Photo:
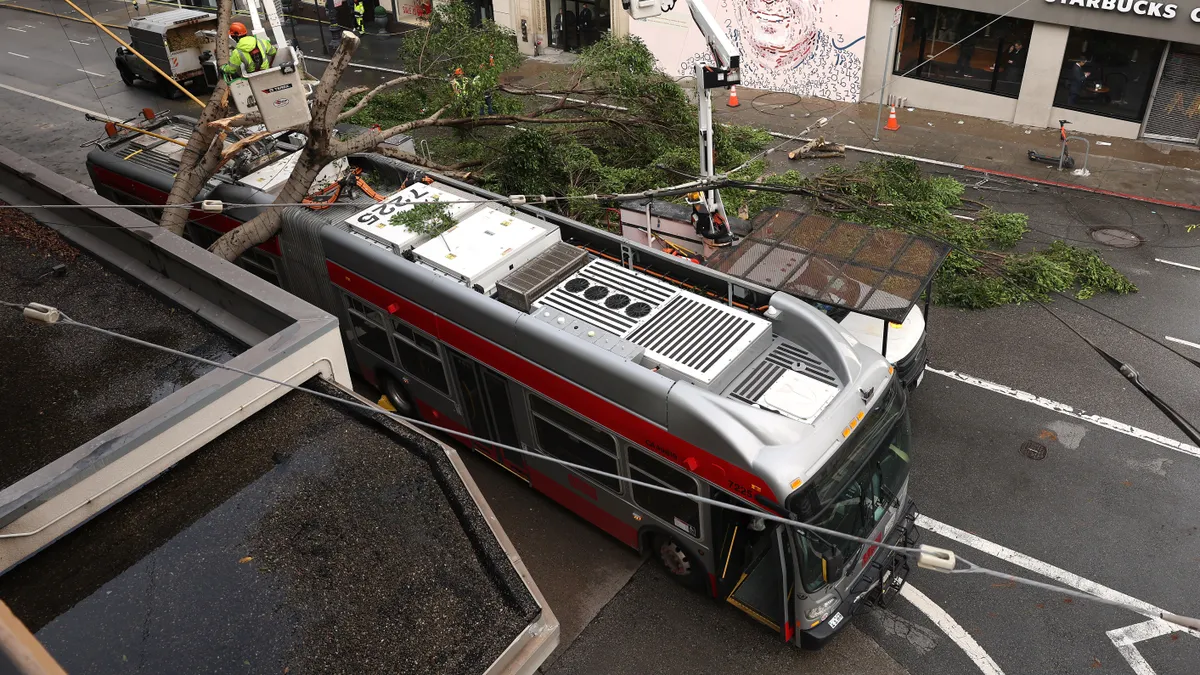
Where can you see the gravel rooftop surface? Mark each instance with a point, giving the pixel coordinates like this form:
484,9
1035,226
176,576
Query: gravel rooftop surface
63,386
307,539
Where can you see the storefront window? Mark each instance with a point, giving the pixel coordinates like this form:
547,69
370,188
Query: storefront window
1108,74
575,24
963,49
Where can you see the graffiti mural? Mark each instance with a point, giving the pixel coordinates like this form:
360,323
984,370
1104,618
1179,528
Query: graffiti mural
805,47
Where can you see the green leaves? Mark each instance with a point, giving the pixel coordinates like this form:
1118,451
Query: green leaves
980,272
427,218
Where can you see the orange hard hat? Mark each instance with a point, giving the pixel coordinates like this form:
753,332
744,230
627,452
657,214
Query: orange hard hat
237,29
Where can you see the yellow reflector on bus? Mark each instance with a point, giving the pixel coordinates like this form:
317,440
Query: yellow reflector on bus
860,414
853,423
845,432
796,483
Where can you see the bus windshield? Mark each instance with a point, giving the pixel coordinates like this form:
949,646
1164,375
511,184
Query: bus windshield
857,487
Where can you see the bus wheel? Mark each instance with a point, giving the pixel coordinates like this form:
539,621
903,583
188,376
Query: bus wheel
680,563
399,397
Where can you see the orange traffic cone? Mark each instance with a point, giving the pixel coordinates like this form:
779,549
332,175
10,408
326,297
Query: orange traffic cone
733,102
892,124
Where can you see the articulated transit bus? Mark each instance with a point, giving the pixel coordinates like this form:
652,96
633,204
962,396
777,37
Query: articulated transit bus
538,332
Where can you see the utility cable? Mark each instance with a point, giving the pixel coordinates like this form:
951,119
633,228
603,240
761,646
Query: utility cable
86,74
937,559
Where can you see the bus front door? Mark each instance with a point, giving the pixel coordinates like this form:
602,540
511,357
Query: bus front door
488,411
764,589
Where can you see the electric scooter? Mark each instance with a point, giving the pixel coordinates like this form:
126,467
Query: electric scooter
1068,162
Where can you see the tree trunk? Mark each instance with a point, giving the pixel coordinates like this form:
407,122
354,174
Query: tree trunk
192,174
265,225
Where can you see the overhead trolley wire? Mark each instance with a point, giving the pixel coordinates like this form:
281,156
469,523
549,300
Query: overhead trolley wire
941,560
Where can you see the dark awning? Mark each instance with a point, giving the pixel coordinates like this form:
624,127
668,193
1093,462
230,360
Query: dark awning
880,273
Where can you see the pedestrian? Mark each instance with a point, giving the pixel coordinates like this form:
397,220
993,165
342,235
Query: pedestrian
1076,78
360,14
1014,61
966,47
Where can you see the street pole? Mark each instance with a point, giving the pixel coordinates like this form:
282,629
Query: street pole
320,27
887,66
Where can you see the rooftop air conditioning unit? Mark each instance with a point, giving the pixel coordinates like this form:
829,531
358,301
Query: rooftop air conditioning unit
533,279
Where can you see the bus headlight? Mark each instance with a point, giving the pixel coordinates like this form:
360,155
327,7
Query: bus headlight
822,610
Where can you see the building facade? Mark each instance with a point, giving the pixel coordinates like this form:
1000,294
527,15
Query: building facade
1124,68
804,47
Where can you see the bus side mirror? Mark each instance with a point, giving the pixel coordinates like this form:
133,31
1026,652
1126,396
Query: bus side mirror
833,564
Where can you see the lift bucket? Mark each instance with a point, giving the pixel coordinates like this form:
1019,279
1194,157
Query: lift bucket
277,93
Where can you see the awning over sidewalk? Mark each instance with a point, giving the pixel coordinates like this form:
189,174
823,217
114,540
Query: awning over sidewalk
880,273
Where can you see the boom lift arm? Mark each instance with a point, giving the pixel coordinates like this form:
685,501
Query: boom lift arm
708,210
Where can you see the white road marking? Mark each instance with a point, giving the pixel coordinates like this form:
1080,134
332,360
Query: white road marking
952,629
1123,639
59,103
1183,342
1033,564
19,30
1168,262
88,72
20,55
1064,409
85,44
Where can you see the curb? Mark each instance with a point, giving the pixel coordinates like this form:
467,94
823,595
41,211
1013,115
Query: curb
1008,174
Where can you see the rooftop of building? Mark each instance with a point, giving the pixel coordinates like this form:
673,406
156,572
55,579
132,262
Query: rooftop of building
309,537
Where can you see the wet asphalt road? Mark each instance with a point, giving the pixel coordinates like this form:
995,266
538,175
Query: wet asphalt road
1107,506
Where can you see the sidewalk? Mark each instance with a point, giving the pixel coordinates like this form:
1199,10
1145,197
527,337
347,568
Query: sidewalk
1148,170
1160,171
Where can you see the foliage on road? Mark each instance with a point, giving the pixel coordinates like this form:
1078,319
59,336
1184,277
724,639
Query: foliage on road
990,265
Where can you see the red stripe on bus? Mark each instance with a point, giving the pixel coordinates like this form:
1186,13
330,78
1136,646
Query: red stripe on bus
588,510
431,414
585,403
789,631
152,195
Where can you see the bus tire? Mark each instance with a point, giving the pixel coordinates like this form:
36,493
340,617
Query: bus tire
678,561
399,397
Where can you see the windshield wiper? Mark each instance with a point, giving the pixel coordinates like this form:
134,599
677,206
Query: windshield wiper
887,492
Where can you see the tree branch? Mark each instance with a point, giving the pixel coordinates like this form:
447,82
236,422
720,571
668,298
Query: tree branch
452,170
369,139
362,103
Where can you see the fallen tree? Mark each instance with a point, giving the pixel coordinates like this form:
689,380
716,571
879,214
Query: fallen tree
453,71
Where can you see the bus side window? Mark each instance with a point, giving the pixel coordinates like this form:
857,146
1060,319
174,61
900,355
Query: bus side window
563,435
680,512
366,328
419,356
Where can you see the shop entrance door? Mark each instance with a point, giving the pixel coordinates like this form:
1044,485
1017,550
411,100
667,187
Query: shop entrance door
575,24
1175,112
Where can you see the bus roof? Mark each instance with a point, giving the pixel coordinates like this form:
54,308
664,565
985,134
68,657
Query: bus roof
769,389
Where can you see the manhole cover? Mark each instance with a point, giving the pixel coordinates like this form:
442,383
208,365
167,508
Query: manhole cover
1116,237
1033,450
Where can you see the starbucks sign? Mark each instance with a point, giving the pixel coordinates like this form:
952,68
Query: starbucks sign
1155,10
